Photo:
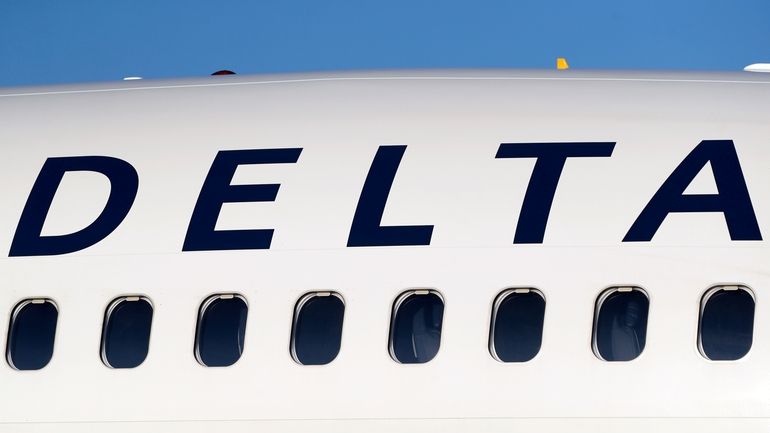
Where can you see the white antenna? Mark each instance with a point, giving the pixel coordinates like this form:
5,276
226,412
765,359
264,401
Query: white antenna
131,78
758,67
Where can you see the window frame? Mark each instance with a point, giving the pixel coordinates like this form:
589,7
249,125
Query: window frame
202,311
298,309
108,313
14,314
403,296
502,296
603,295
711,291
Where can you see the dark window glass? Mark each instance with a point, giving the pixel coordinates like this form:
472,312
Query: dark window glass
31,334
415,333
620,327
517,325
317,328
126,332
726,323
221,329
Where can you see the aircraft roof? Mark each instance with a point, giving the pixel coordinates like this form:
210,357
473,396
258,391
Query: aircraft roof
738,77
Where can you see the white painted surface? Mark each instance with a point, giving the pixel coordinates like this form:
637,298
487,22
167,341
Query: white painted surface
453,124
758,67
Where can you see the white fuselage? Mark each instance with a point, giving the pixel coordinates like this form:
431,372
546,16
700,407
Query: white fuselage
452,124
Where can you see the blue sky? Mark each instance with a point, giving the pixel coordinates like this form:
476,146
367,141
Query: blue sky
77,40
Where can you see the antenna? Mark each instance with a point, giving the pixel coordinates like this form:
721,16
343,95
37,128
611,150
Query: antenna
758,67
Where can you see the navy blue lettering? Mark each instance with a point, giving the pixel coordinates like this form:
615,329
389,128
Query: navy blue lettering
216,190
538,199
732,198
366,230
124,183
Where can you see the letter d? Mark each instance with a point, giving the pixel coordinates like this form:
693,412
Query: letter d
124,183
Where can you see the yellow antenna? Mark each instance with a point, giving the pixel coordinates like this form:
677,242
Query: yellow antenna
561,63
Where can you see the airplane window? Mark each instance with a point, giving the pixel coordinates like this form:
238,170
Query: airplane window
126,332
31,334
317,329
726,323
517,325
221,328
620,323
415,331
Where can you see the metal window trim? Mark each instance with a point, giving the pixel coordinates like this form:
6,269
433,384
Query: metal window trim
598,308
202,311
14,314
711,291
502,296
403,296
298,308
108,314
